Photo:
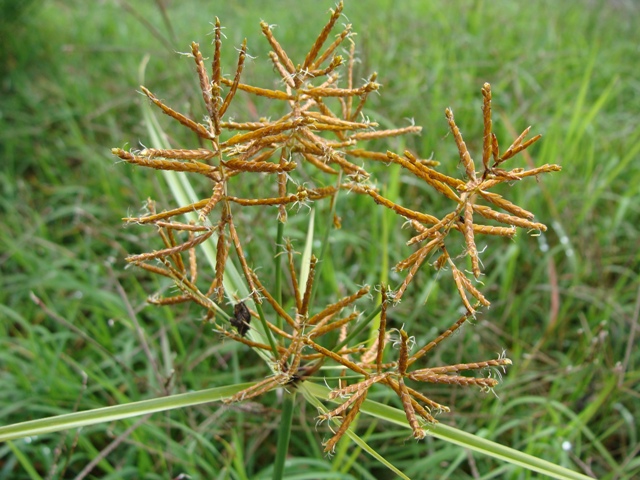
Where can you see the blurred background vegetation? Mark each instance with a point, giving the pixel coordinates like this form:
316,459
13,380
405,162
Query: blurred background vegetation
564,303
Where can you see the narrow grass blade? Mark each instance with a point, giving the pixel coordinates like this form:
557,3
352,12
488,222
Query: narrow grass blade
117,412
458,437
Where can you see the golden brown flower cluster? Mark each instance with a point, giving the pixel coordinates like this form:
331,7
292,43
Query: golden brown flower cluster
321,130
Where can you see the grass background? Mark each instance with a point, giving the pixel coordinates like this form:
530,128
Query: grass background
563,303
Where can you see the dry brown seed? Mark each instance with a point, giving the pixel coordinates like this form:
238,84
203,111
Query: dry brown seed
205,86
340,92
474,291
357,387
454,380
385,133
363,98
339,305
236,80
508,219
309,286
153,269
513,148
319,164
486,137
277,49
331,48
270,129
168,214
218,193
161,164
320,330
330,445
433,231
160,301
334,356
500,362
462,147
360,153
418,432
424,251
179,153
215,67
222,253
322,37
501,202
447,333
169,251
400,210
404,353
421,171
420,253
333,120
190,124
460,285
248,274
255,390
491,230
536,171
427,401
469,238
276,306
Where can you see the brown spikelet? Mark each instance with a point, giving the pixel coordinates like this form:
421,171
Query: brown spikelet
277,49
508,219
332,48
486,136
169,251
218,192
330,445
161,164
205,86
409,411
339,305
222,252
462,147
190,124
382,328
234,86
309,287
180,154
460,285
446,334
472,251
261,92
322,37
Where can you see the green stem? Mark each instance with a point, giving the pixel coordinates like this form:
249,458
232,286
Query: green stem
267,331
278,262
325,240
284,435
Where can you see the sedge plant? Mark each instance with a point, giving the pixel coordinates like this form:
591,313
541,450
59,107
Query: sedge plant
317,152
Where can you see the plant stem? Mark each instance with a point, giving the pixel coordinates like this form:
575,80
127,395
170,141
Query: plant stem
283,435
278,269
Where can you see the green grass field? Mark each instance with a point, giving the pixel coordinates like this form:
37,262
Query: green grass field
76,332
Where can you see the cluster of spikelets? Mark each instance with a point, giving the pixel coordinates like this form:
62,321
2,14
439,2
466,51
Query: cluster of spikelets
321,130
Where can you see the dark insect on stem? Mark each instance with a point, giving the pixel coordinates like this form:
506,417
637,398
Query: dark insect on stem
241,318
